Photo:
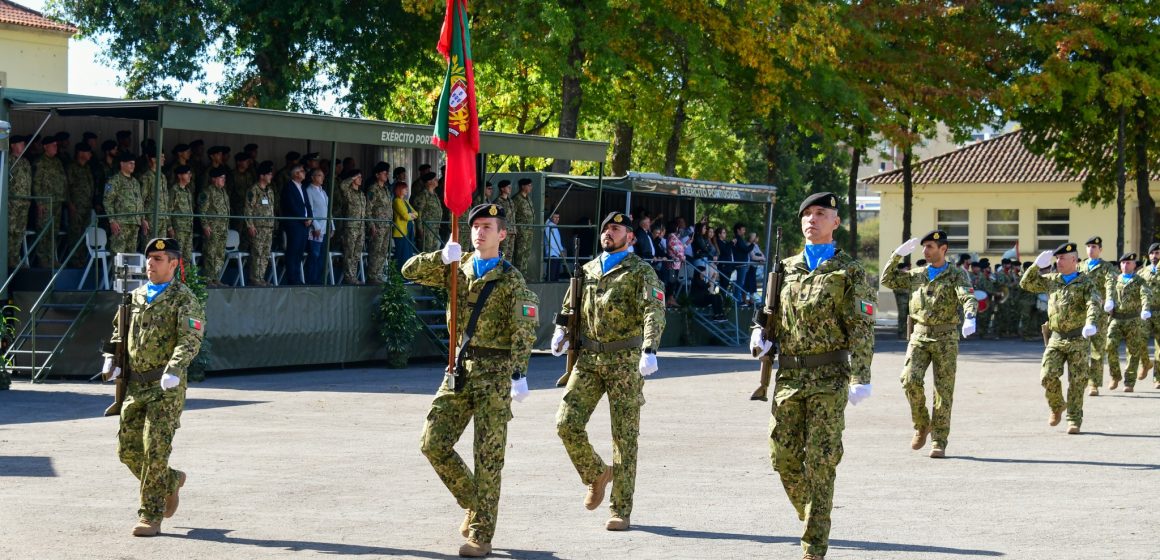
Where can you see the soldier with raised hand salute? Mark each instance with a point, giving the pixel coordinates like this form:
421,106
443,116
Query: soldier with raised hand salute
1072,314
1099,271
497,320
938,291
1151,275
824,351
622,316
1129,303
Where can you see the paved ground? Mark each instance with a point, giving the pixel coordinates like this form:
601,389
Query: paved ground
322,463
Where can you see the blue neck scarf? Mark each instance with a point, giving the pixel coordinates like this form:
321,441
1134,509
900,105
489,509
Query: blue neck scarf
608,261
153,290
1067,278
1128,277
931,271
1092,263
483,266
818,254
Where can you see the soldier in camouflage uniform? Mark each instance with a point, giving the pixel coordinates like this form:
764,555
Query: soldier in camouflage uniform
123,201
80,199
824,349
902,303
165,334
1129,301
1151,276
525,216
380,207
259,212
983,287
148,180
181,202
49,181
495,359
430,210
505,200
354,208
1099,271
477,198
938,292
1072,313
19,189
1006,317
622,316
214,201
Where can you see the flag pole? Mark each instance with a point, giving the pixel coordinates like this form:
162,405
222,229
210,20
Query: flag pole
452,300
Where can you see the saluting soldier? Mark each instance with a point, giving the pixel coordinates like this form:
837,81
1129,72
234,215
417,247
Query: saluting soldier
165,334
1129,301
1072,314
124,204
259,211
824,352
938,292
181,210
498,316
381,217
525,216
430,210
505,200
354,207
1100,271
622,316
51,182
19,191
1151,276
214,201
80,197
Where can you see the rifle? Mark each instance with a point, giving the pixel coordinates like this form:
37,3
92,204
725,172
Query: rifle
766,317
575,289
120,350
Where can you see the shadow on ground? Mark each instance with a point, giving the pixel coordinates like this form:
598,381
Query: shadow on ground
27,407
834,543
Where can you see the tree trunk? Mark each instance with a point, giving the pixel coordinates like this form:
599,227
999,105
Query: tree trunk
907,191
1147,204
622,149
674,146
852,191
570,98
1121,181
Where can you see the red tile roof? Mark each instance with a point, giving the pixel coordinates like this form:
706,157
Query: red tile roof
1002,159
15,14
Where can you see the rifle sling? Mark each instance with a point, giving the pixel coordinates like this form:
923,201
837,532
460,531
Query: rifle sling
476,309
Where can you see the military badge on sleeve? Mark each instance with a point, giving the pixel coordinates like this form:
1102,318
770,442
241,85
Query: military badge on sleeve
866,308
527,310
195,324
657,294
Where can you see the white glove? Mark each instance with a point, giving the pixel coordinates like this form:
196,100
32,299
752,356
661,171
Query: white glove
559,343
859,393
907,247
968,327
108,367
169,381
1043,260
1145,314
451,252
1109,306
1089,331
757,342
648,364
520,389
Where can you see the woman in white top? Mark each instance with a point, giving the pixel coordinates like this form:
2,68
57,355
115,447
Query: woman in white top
319,228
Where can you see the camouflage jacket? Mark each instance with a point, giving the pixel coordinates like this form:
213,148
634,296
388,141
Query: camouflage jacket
354,204
239,187
148,180
933,302
50,179
510,317
829,308
1069,306
1131,296
381,206
214,201
20,185
1099,275
628,301
509,207
430,211
524,215
259,204
123,196
181,202
166,333
80,189
1151,276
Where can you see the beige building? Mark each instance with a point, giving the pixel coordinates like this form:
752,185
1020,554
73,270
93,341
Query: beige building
34,49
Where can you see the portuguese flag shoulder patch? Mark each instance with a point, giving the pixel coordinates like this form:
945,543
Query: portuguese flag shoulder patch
195,324
867,308
658,294
529,310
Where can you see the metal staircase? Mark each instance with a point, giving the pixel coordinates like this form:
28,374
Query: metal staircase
434,318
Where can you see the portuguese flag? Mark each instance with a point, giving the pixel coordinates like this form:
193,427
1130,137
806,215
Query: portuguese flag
457,122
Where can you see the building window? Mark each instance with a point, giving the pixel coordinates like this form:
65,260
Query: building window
1002,230
1052,228
957,226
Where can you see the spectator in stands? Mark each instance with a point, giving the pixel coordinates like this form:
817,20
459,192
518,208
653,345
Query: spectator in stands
296,206
554,249
705,292
320,228
741,250
725,261
643,247
676,252
756,257
404,230
701,246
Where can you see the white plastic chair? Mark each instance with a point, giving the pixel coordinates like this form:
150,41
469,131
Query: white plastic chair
97,241
362,267
234,255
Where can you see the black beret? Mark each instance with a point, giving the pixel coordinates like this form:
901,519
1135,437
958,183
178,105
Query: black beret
123,134
976,264
217,150
293,156
87,135
428,176
348,173
1095,240
182,169
525,181
487,184
217,172
1064,249
1154,247
266,167
964,258
166,244
108,145
62,136
198,142
823,199
1005,261
83,147
242,156
486,211
399,170
250,147
149,145
381,167
126,156
505,183
309,157
618,218
985,262
425,167
46,140
18,139
180,148
938,236
1128,257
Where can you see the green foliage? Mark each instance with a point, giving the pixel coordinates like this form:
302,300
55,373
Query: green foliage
397,320
196,282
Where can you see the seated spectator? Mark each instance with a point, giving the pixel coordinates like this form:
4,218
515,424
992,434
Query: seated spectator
676,253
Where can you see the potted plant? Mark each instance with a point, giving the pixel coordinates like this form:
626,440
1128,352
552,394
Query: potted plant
398,322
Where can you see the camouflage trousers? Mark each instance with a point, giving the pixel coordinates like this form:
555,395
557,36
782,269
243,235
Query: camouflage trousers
805,444
260,252
1007,317
1099,347
507,247
353,235
1152,334
522,251
46,248
1030,322
430,240
985,319
902,303
625,387
1131,333
944,354
76,231
1074,353
149,418
379,250
486,398
126,242
184,236
213,249
17,225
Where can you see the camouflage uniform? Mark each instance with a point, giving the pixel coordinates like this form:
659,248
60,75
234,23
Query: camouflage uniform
19,189
123,197
80,195
988,285
1070,306
213,201
626,302
259,204
507,247
934,306
1099,273
381,206
148,180
181,202
1131,297
829,309
505,333
902,302
49,181
1151,276
1006,321
524,216
430,212
163,335
354,207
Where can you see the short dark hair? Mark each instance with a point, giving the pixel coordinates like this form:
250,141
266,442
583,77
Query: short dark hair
737,226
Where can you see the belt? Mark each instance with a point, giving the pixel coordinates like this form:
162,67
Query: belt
934,329
1125,316
150,376
478,352
1068,335
812,361
596,346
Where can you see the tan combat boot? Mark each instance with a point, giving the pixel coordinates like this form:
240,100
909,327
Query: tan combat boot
919,438
474,549
1158,384
465,527
596,489
809,556
617,523
1072,428
1056,416
1093,391
1115,383
1144,372
172,500
1129,389
146,528
937,451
